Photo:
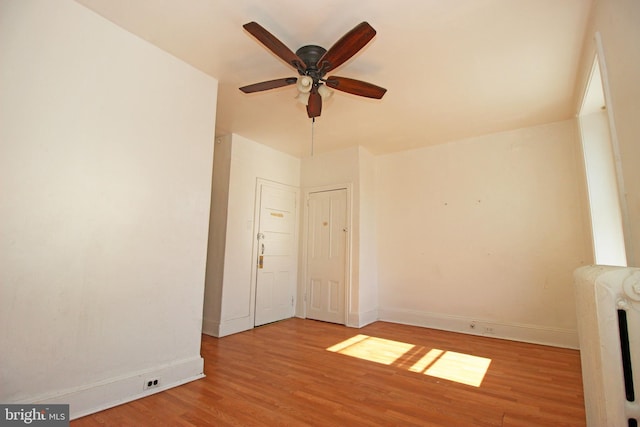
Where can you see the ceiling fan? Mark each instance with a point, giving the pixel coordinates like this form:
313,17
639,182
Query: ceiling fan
313,62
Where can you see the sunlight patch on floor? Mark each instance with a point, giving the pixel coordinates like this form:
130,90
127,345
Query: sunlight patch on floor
459,367
373,349
448,365
426,360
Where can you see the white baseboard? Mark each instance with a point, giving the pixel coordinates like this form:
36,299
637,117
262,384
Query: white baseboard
233,326
557,337
226,327
358,320
112,392
211,327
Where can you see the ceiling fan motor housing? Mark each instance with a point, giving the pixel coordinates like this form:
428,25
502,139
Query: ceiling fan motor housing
311,54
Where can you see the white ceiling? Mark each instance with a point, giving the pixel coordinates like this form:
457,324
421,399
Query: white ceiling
453,68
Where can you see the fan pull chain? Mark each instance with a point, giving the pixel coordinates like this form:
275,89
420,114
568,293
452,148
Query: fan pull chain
313,122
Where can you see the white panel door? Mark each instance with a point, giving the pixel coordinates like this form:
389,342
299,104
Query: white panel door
277,254
327,256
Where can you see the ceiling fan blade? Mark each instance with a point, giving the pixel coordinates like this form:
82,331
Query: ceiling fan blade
355,87
314,107
271,84
275,45
347,46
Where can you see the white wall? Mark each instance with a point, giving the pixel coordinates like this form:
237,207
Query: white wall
229,296
214,276
367,307
618,22
334,167
106,149
485,230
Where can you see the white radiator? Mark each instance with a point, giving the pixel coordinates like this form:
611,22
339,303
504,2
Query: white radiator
608,309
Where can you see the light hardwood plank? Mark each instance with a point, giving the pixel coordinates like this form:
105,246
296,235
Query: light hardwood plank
283,375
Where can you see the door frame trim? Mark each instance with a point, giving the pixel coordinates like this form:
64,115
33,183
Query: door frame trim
301,303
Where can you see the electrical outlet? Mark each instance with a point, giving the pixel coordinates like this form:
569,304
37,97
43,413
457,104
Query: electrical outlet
488,330
151,383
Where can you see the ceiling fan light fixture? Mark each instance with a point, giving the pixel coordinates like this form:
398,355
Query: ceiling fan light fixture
325,92
312,63
303,98
304,84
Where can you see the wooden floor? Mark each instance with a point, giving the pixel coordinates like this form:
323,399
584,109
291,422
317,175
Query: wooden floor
283,375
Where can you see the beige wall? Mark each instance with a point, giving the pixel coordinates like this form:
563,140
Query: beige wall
487,229
106,147
618,23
